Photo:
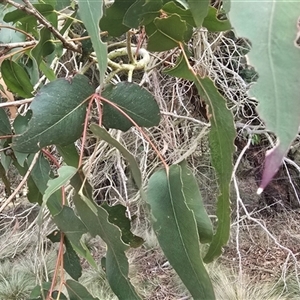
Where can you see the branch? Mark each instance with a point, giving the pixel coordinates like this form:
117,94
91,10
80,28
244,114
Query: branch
16,103
29,9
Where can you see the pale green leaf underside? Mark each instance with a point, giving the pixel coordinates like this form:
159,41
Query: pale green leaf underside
277,61
90,12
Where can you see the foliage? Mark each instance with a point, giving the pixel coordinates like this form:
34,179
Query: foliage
42,142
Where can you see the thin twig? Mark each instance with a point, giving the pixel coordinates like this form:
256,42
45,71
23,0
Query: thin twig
16,103
12,196
31,10
16,29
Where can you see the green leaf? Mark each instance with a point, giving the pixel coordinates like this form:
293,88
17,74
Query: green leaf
275,57
185,14
47,71
199,10
90,12
226,5
212,23
73,228
175,226
135,101
69,154
116,260
58,113
19,15
195,203
168,33
221,141
65,173
5,128
5,179
39,293
16,79
77,291
112,21
34,195
44,47
117,216
41,174
142,12
61,4
71,260
104,135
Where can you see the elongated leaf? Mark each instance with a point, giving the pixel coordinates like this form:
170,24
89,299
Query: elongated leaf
195,203
176,229
5,128
44,47
65,173
71,260
221,141
199,10
20,15
69,154
5,179
77,291
41,174
104,135
58,113
275,56
116,260
73,227
135,101
16,79
90,12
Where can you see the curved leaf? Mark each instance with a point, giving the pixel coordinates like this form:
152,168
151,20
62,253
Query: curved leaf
65,173
142,12
199,10
77,291
135,101
221,141
168,33
175,226
4,123
117,216
74,228
212,23
195,203
104,135
112,21
116,260
16,79
44,47
90,12
58,113
276,58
